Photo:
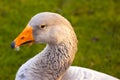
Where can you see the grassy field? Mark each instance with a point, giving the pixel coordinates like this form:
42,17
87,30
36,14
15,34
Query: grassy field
96,23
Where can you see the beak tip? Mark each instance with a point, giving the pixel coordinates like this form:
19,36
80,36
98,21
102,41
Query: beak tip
13,45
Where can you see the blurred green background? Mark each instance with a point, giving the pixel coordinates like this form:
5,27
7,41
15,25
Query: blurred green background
96,23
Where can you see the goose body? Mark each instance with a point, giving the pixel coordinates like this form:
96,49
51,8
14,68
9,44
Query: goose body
53,63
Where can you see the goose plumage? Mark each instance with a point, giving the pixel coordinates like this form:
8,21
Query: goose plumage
53,63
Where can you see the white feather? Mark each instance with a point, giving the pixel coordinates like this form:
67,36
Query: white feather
80,73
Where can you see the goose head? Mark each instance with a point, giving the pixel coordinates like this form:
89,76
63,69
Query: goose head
46,27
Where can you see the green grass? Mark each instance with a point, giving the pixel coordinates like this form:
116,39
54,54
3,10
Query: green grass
96,23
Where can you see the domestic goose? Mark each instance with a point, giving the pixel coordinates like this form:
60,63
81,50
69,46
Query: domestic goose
53,63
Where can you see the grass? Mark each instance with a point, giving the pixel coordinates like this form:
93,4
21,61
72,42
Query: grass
96,23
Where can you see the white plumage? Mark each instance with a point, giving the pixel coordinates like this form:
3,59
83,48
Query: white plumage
53,63
80,73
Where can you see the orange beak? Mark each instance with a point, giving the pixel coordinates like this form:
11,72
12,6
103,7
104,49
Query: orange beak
25,37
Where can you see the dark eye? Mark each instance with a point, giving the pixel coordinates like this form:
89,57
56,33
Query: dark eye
42,26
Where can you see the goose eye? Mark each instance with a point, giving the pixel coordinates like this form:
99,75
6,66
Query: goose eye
42,26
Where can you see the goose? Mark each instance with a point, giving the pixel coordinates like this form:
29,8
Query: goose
54,61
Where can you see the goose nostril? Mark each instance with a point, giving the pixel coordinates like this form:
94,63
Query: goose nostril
22,38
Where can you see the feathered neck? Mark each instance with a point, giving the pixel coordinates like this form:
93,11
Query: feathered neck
54,60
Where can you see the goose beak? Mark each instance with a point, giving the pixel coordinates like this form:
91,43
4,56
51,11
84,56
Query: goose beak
24,37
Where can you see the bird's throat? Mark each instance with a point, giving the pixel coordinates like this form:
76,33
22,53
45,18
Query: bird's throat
55,60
